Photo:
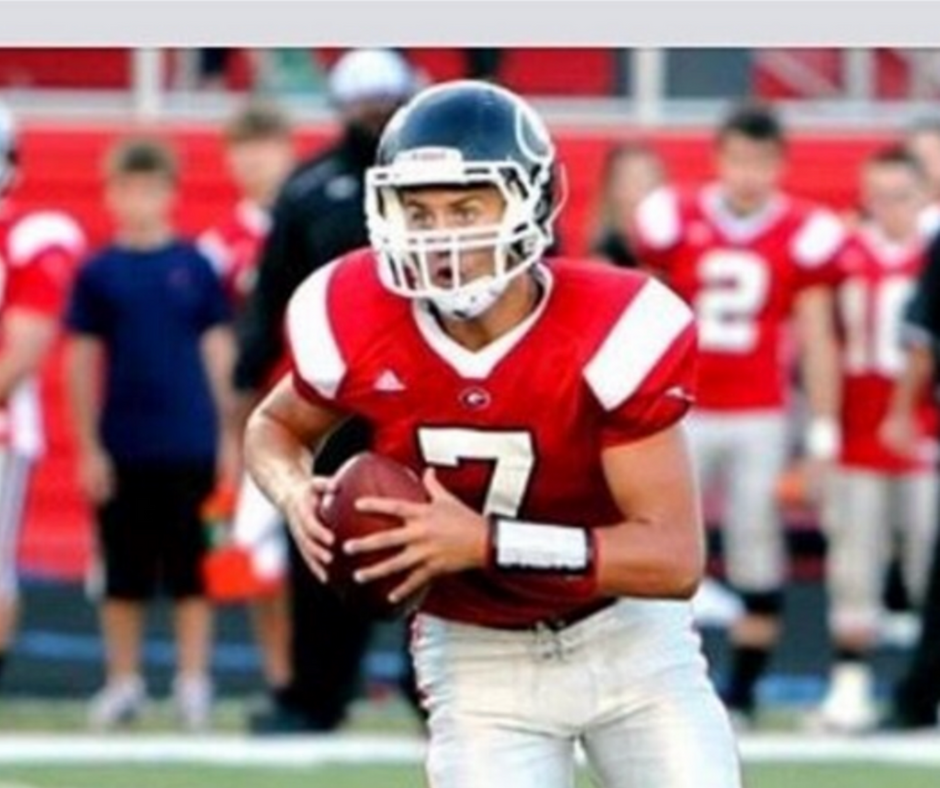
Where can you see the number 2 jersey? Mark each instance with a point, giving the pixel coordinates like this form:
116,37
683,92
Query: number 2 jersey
877,279
516,428
741,276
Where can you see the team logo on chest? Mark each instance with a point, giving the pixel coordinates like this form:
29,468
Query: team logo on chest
475,398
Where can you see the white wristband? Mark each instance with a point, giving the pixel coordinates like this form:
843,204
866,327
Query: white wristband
823,439
518,545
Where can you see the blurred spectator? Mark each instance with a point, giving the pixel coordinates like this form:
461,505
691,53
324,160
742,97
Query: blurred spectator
319,216
878,498
212,67
749,258
38,251
917,695
483,63
631,171
923,141
260,153
147,363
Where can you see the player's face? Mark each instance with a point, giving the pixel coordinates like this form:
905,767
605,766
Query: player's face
259,166
633,177
749,171
443,209
140,201
893,196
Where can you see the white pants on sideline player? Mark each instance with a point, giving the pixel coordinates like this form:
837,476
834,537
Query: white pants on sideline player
14,480
867,517
628,683
744,454
258,528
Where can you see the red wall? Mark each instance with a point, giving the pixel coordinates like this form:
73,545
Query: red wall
63,163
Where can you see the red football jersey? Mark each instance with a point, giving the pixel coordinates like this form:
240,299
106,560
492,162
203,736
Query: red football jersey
516,428
38,255
877,280
234,246
740,275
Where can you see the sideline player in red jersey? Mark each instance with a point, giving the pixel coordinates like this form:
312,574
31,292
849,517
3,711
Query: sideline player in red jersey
747,256
878,498
38,253
260,154
542,400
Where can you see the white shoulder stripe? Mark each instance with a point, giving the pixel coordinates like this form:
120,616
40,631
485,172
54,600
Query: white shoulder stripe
639,340
818,239
310,333
39,231
657,219
214,249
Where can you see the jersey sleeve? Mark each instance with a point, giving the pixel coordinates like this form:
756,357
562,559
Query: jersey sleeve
43,250
317,361
657,227
643,373
815,249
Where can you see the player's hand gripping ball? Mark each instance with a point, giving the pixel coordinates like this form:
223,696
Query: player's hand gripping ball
368,475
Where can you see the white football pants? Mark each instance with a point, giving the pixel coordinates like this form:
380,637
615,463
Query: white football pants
628,684
15,471
744,455
868,517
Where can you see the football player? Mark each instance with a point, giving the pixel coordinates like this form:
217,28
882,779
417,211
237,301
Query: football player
260,155
747,257
542,399
38,254
879,497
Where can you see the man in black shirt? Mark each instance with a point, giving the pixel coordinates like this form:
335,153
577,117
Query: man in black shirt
917,695
319,216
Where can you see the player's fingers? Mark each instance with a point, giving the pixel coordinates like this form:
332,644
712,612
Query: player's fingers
392,537
318,571
435,489
410,585
314,528
322,485
394,507
310,545
400,562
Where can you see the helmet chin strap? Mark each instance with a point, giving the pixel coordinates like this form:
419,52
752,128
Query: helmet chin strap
470,303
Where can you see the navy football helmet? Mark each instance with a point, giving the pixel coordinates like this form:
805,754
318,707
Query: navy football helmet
463,133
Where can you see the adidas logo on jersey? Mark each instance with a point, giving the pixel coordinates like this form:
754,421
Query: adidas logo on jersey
388,381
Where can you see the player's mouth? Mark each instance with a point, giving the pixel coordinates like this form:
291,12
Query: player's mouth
442,271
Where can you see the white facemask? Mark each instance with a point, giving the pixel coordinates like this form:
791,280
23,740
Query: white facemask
469,302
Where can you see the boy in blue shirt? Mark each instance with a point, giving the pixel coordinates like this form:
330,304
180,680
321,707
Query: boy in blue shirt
148,359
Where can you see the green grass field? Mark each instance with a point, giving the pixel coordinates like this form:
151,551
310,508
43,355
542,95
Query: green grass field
135,776
41,746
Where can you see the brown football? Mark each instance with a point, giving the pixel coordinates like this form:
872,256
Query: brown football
372,475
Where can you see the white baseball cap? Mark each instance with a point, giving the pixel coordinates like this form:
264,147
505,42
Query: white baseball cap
363,74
